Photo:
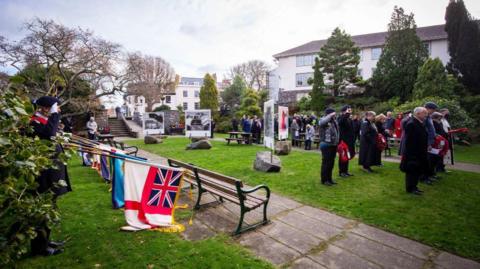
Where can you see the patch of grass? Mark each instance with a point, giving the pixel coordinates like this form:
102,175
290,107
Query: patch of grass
447,216
469,154
96,242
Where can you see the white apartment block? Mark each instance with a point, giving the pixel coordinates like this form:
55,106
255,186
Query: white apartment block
288,82
187,95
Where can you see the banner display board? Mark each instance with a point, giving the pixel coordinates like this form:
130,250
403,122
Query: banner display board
197,123
268,114
154,123
282,122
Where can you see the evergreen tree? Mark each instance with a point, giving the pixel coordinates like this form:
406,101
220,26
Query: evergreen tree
400,60
339,59
233,94
249,104
209,94
317,101
463,45
432,80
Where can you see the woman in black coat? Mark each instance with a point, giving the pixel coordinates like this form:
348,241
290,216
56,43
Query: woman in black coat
368,145
379,123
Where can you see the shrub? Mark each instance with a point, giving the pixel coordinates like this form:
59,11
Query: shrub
22,159
459,118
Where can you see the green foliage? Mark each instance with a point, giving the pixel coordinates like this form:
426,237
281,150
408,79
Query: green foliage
209,94
249,105
463,45
339,59
224,125
432,80
459,118
317,102
162,108
262,98
304,104
22,159
401,58
232,95
472,106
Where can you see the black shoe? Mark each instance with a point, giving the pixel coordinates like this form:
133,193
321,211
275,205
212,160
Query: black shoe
333,182
56,244
327,183
416,192
427,181
348,174
343,175
52,251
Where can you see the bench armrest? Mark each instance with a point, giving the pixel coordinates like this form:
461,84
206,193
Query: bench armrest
256,188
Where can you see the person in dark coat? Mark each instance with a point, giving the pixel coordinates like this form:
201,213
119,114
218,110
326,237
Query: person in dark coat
67,124
414,160
368,145
379,123
406,116
356,127
234,124
347,135
329,137
45,123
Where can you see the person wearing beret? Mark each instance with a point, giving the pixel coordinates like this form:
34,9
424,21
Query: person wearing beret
45,123
329,139
414,159
347,135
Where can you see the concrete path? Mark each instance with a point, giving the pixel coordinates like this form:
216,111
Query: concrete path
301,236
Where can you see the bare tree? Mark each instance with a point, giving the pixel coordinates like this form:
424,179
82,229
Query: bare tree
149,76
65,57
253,72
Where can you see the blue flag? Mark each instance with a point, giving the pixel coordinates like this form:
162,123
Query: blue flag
118,193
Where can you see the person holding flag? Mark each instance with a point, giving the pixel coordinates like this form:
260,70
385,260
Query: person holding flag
45,123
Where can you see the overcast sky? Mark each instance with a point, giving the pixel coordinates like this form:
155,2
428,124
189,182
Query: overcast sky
210,36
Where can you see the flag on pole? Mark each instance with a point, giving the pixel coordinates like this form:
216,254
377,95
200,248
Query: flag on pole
104,168
118,194
151,192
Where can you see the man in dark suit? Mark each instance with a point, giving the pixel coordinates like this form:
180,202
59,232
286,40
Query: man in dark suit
347,135
414,155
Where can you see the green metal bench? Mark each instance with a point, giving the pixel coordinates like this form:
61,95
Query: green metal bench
228,188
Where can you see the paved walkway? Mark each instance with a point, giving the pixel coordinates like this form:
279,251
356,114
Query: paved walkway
301,236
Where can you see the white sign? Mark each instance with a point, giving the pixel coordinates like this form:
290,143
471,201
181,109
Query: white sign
154,123
282,122
197,123
269,130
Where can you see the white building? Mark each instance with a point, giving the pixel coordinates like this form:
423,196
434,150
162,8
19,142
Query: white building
187,95
289,80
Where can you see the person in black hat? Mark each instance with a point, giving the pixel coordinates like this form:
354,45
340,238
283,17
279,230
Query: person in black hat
347,135
329,138
45,123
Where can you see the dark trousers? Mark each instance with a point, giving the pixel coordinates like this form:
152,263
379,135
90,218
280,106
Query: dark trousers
343,167
308,144
411,181
328,161
40,243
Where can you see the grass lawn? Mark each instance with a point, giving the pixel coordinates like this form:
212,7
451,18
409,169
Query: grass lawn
469,154
96,242
447,216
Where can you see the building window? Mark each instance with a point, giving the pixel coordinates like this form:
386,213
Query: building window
197,93
302,79
168,99
197,105
428,47
305,60
185,106
359,72
376,52
361,54
373,70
